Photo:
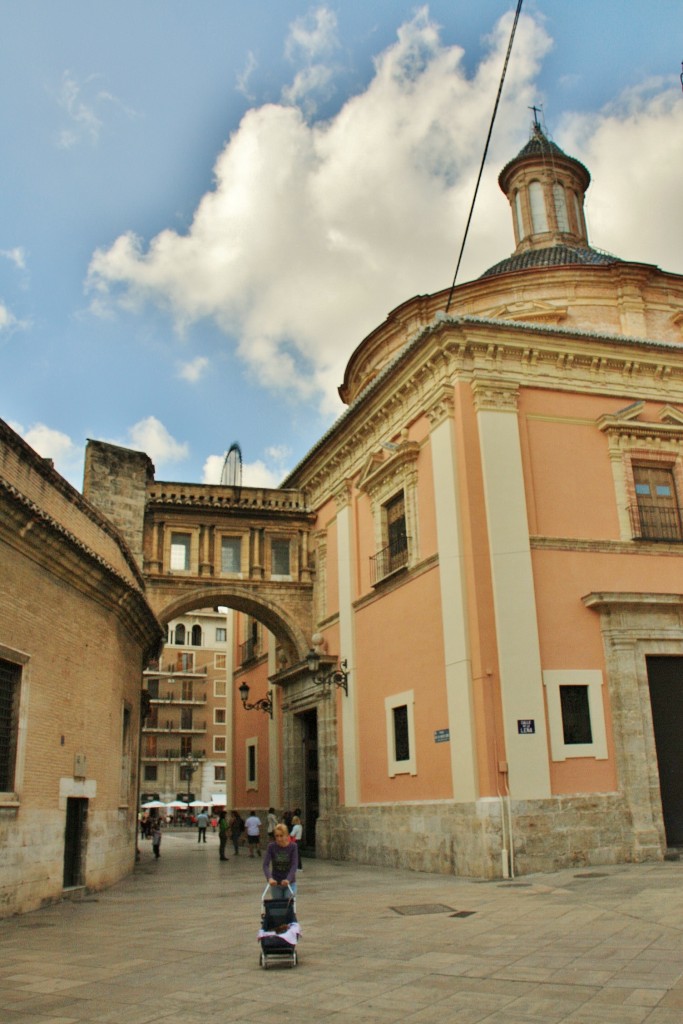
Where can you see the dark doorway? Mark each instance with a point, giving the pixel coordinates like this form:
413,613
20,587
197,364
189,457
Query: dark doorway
74,841
311,808
665,676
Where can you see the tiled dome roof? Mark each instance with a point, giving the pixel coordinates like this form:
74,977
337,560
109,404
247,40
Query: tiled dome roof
541,146
555,256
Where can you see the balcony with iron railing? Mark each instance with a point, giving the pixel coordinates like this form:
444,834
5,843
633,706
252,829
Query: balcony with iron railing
173,698
389,559
656,523
249,650
176,727
170,754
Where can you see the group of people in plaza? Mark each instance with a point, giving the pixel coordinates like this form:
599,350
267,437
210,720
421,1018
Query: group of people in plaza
282,856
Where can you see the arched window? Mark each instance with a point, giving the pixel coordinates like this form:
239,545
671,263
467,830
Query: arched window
180,633
539,217
196,636
577,213
518,215
560,201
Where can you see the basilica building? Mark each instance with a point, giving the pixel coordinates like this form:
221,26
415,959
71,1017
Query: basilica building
452,637
497,563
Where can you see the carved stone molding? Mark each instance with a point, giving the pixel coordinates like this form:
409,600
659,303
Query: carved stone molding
442,407
495,395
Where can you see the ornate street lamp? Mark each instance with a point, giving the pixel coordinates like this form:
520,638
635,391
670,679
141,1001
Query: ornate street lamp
338,676
264,704
189,765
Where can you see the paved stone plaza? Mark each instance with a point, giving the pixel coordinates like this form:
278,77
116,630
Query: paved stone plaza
176,943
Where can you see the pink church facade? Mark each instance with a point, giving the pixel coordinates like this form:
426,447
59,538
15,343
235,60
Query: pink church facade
497,560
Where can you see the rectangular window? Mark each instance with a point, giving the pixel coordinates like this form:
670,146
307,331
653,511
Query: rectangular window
280,558
153,688
394,554
221,634
126,754
185,746
187,689
186,718
657,515
219,661
10,685
231,554
576,716
219,716
252,765
219,688
151,773
400,725
219,773
401,738
219,744
180,551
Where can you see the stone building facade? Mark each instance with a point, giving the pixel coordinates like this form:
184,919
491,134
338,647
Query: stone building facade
75,633
484,553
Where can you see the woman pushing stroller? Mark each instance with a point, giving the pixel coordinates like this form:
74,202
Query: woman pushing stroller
280,863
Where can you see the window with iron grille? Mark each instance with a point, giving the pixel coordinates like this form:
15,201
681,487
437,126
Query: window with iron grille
401,735
251,764
10,685
657,513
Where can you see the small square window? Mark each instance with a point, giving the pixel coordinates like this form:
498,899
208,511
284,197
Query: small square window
219,773
151,773
219,660
219,744
221,635
219,716
219,687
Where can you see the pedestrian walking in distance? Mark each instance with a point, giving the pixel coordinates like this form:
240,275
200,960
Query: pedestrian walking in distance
253,827
202,822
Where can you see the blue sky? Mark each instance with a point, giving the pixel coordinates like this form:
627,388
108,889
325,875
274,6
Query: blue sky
206,206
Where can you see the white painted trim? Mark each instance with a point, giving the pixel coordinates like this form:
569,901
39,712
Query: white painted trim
345,562
553,679
457,656
514,601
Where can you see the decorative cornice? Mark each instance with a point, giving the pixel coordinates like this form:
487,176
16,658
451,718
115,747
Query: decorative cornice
397,464
442,407
495,395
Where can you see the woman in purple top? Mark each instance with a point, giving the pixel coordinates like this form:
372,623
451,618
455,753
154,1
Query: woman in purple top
280,863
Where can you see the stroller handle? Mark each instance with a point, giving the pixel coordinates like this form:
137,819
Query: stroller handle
269,887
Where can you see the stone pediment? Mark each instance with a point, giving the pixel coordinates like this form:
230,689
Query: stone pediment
627,421
387,462
531,312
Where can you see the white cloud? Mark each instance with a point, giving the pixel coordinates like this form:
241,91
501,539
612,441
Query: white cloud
312,36
152,437
244,76
54,444
17,256
254,474
193,370
82,104
7,318
634,150
313,232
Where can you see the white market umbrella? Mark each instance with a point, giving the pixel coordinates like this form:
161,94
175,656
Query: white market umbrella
178,804
200,803
152,803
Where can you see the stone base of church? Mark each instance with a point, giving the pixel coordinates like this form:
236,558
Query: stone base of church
469,839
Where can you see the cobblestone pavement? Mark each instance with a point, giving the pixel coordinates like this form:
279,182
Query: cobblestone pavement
176,942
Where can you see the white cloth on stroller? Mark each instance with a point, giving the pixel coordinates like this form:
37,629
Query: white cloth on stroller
291,935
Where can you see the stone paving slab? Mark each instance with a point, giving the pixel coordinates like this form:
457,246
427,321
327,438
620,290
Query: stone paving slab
176,943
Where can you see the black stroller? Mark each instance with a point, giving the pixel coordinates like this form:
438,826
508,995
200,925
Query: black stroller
279,932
